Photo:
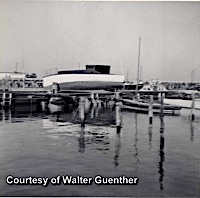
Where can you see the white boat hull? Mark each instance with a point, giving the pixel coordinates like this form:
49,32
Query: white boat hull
183,103
84,81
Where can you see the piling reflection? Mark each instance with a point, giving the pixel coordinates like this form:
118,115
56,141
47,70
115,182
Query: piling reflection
162,155
192,126
94,134
81,140
135,143
117,146
94,112
6,115
150,128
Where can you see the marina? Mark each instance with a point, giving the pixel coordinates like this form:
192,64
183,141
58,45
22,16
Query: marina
84,142
99,99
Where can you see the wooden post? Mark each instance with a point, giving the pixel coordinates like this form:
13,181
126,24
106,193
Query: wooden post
55,88
151,110
43,105
159,96
193,107
161,104
161,113
7,98
31,100
93,101
118,111
82,111
98,101
138,96
31,105
10,99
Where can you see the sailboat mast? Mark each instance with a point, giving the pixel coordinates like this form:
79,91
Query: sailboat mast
23,59
138,69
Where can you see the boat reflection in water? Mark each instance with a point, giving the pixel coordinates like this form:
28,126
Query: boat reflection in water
65,121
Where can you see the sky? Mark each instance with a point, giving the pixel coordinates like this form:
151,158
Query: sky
41,35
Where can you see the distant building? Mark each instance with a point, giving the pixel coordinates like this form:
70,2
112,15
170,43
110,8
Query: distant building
12,75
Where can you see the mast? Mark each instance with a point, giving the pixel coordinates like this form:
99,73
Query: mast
22,58
23,65
127,75
138,69
140,73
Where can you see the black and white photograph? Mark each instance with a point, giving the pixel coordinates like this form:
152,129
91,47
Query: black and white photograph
99,98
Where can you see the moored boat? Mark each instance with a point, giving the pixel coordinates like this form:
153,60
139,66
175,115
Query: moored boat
183,98
133,85
143,106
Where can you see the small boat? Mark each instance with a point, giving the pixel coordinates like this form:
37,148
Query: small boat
61,100
133,85
143,106
183,98
153,85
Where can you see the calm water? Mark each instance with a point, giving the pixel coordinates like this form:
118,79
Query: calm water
166,161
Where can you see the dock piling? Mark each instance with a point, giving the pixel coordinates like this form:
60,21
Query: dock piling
151,110
138,96
193,107
159,96
118,112
7,98
55,88
98,101
93,101
82,111
161,104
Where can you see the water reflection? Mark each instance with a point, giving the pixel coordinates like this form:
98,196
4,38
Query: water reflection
95,134
162,155
135,143
11,114
150,128
94,112
117,146
6,115
81,140
99,138
192,126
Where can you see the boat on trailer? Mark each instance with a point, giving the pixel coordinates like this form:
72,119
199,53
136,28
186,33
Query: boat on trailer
95,77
